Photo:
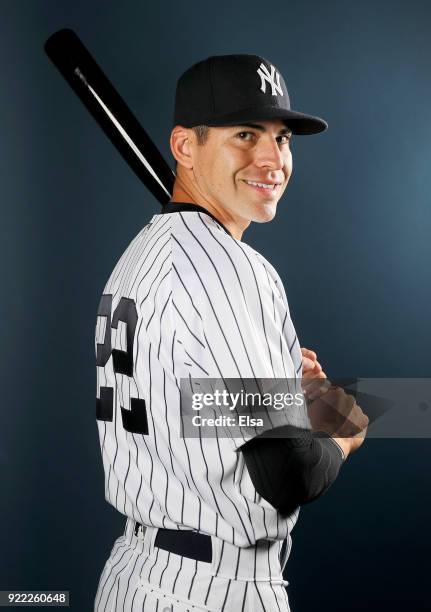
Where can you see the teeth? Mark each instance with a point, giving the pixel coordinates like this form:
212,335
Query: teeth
264,185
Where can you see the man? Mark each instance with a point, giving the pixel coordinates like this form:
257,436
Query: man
209,518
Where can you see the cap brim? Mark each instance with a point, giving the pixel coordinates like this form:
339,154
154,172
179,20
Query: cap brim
300,123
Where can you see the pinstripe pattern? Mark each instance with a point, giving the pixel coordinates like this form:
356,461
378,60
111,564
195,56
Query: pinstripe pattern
207,305
139,576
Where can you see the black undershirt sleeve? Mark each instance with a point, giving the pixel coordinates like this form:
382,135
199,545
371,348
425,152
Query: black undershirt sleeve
292,466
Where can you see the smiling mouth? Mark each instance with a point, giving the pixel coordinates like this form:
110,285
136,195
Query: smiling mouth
267,187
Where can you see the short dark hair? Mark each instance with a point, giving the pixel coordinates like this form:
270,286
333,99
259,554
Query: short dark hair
201,132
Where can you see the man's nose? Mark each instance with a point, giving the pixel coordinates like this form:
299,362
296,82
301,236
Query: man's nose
268,154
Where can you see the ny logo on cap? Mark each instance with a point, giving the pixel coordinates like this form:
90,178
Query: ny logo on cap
265,76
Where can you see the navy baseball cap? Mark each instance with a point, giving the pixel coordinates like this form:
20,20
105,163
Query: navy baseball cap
225,90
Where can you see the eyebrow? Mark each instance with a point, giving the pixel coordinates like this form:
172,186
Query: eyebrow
262,128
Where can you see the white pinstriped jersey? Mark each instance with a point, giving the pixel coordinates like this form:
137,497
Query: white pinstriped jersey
186,299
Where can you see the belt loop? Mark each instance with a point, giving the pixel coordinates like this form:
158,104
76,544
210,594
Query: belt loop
148,539
139,531
145,536
215,562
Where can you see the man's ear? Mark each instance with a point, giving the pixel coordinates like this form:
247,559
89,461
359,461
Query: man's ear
180,142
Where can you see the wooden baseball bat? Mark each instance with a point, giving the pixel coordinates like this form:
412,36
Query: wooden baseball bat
100,97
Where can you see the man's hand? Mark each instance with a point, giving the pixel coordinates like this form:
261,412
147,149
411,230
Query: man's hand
336,413
331,409
311,368
312,375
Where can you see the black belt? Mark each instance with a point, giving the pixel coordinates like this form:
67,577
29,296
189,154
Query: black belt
186,543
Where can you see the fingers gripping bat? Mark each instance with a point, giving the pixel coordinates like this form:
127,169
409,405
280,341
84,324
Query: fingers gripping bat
78,67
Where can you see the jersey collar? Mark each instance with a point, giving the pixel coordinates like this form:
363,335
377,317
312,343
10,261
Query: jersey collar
171,207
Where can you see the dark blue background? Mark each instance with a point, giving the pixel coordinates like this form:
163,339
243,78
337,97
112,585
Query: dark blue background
350,241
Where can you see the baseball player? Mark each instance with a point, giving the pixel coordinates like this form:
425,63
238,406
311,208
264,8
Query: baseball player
209,518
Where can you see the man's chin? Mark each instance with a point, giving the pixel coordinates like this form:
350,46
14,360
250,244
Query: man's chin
265,213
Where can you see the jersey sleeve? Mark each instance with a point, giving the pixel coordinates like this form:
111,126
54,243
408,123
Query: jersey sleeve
232,324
